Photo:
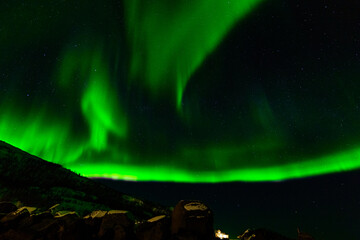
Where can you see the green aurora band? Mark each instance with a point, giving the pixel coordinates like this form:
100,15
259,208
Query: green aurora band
176,49
110,100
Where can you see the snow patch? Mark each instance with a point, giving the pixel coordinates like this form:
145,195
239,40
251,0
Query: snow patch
193,206
154,219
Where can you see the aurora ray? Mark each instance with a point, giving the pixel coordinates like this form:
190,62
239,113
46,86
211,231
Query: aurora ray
164,56
205,91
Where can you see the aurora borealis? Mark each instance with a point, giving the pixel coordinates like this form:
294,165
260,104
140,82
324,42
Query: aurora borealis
202,91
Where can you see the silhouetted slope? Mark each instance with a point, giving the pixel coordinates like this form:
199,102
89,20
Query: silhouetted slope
35,182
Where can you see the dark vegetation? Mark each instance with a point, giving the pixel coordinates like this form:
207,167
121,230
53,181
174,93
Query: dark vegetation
31,181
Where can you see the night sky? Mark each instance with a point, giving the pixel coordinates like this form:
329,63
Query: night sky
203,91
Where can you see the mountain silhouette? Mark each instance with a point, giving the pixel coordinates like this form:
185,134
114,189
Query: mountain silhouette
32,181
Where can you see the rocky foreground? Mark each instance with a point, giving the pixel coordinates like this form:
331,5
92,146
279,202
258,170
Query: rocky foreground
63,207
190,220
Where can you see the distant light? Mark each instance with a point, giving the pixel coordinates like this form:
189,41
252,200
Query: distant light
221,235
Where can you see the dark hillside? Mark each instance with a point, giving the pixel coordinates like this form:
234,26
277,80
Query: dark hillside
33,181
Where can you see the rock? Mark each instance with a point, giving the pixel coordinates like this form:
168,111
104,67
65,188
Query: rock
117,225
11,220
65,225
14,225
61,214
114,224
93,222
41,216
30,209
7,207
16,235
156,228
46,228
96,214
261,234
27,222
192,220
72,227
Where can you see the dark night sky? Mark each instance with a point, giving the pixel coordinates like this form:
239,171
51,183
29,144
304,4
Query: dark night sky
197,91
241,90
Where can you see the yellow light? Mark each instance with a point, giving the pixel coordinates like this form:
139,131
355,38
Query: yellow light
221,235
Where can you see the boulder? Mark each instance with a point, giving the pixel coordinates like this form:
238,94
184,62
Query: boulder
65,225
16,235
38,217
117,225
261,234
26,221
114,224
15,225
96,214
7,207
11,220
46,228
156,228
192,220
30,209
93,222
25,224
72,227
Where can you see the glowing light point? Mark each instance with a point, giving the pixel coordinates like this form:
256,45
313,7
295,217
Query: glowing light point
221,235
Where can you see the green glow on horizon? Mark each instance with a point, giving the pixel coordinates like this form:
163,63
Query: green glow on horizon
344,161
169,43
103,89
